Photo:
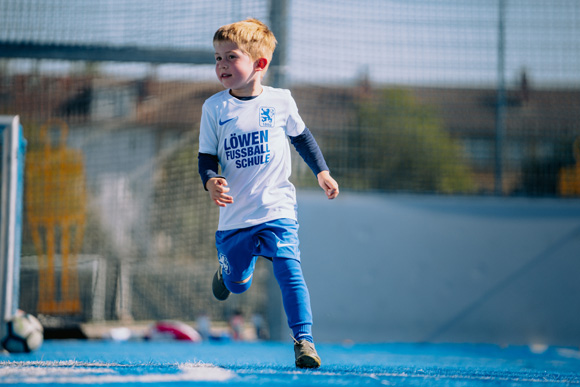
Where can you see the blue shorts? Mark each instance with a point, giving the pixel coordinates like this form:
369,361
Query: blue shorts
239,249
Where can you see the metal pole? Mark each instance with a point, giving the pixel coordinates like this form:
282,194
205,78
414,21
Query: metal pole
277,77
279,26
501,101
9,250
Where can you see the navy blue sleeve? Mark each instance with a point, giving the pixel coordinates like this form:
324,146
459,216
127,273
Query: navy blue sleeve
309,150
208,167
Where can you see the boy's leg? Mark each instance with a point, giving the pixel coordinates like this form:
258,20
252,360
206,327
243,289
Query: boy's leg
244,284
222,287
236,261
279,239
296,301
295,297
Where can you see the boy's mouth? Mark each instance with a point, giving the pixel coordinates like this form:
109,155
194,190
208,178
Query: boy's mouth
226,75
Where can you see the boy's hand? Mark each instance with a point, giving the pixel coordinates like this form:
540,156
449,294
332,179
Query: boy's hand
328,184
217,187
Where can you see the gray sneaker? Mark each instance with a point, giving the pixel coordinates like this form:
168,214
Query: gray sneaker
219,287
305,353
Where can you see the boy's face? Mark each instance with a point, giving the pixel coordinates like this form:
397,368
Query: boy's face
236,70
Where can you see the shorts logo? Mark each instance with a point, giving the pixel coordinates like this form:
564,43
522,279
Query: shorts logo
280,244
267,116
223,260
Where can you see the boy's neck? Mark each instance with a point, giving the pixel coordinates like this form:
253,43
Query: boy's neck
246,98
253,92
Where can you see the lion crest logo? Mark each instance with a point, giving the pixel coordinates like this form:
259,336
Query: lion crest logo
223,260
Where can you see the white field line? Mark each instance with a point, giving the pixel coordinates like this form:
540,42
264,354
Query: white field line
63,372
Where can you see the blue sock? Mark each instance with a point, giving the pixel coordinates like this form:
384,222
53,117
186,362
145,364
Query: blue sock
295,297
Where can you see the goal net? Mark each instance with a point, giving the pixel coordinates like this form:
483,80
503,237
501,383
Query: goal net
431,98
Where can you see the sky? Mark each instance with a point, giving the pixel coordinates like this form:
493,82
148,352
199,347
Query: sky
449,42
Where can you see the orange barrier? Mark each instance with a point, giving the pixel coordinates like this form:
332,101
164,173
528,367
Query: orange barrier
55,204
569,184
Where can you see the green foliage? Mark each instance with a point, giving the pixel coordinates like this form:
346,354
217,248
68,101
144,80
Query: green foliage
400,145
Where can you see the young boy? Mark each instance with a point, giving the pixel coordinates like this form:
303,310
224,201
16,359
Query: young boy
244,129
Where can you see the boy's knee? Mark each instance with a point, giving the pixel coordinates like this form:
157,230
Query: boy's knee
239,287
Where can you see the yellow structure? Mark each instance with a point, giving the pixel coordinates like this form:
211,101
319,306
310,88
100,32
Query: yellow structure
570,177
55,210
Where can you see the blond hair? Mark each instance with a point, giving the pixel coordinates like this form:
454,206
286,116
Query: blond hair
251,36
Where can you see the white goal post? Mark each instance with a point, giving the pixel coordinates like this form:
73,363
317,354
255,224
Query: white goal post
12,145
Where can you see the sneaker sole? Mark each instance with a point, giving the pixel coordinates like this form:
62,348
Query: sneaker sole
307,362
219,290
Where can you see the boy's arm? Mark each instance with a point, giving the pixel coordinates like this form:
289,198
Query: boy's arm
208,167
208,163
308,149
214,183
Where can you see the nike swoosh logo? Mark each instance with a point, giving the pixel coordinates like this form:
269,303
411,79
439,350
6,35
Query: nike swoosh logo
226,121
284,244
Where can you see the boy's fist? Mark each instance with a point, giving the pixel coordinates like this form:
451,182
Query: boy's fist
328,184
217,188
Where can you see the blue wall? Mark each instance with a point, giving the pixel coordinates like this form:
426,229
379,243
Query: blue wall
383,268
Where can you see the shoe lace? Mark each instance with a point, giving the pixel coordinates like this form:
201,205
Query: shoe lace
295,341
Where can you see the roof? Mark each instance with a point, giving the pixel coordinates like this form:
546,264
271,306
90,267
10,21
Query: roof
465,111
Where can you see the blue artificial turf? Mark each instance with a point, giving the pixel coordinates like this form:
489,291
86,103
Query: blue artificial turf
79,362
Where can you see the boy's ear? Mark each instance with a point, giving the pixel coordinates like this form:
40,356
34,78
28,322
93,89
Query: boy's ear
261,63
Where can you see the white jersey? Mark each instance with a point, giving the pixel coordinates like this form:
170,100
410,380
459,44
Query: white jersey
249,138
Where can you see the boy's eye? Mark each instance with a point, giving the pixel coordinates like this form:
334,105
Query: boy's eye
232,57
